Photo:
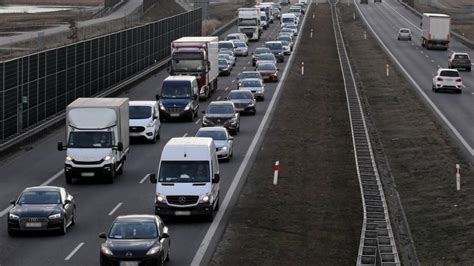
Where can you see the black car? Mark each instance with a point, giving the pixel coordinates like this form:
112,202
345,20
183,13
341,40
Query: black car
224,67
44,208
135,240
243,100
259,51
223,114
276,48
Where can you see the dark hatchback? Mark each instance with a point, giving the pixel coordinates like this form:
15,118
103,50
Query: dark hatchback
44,208
243,100
259,51
135,240
223,114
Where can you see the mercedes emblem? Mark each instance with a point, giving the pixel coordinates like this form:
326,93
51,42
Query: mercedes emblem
128,254
182,200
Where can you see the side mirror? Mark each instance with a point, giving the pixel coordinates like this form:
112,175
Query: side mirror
216,179
60,146
203,112
217,149
67,202
102,235
153,178
278,69
12,202
231,138
226,98
120,146
157,97
164,235
155,117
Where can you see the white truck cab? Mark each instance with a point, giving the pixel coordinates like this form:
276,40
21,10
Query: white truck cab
187,181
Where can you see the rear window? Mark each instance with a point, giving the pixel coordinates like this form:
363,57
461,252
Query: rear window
461,56
274,46
449,74
226,45
404,31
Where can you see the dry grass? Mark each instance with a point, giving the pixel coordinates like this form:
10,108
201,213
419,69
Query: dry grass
209,26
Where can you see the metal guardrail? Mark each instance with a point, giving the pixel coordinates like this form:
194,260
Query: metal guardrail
377,244
456,35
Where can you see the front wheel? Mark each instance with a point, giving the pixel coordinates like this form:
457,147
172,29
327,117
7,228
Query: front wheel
63,229
68,178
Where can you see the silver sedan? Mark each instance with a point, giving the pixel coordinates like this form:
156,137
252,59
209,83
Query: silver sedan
222,139
241,48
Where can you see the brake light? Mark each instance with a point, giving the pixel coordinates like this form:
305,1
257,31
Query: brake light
458,80
439,79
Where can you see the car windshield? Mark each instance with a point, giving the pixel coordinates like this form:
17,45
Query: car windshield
90,139
40,197
274,46
176,89
284,38
267,57
248,75
223,62
220,109
287,20
290,26
139,112
240,44
215,135
251,83
266,67
237,95
226,45
133,230
184,171
404,31
285,43
449,74
262,51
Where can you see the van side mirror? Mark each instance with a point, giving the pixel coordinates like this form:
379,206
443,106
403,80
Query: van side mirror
231,138
60,146
164,235
102,235
67,202
216,179
168,68
153,178
157,97
120,146
204,112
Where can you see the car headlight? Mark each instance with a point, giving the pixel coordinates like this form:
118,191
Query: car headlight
188,106
12,216
153,250
224,148
55,216
206,120
160,198
205,198
69,158
105,250
251,104
162,107
150,124
107,158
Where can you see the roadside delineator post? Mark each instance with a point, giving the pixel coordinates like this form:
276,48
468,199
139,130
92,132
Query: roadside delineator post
313,13
302,68
311,33
365,35
276,168
388,71
354,16
458,178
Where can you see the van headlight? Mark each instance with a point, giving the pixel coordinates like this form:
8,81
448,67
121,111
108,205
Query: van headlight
69,158
205,198
107,158
160,198
150,124
153,250
188,106
162,107
105,250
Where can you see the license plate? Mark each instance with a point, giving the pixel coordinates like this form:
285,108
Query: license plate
182,213
129,263
87,174
33,224
266,77
174,115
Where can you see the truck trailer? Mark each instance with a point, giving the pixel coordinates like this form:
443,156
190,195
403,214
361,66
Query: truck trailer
435,31
97,138
196,56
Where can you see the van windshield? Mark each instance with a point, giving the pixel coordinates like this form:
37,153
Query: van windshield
88,139
184,171
139,112
176,89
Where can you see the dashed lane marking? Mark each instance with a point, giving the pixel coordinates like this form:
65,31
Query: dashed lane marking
185,135
144,179
197,122
74,251
115,208
218,98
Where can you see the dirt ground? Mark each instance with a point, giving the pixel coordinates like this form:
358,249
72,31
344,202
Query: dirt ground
314,215
461,12
420,153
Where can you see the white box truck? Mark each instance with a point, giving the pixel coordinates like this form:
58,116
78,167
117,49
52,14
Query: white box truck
435,30
187,182
97,138
249,23
196,56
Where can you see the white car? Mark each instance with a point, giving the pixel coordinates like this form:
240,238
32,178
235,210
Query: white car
144,120
292,27
255,85
404,34
241,48
222,140
447,79
227,57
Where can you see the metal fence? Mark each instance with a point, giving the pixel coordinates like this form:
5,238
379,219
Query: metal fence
36,87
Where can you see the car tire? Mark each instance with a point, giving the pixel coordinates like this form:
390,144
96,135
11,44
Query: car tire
110,177
262,98
73,218
168,255
210,215
158,134
459,91
217,203
120,171
191,117
153,140
63,229
468,69
254,111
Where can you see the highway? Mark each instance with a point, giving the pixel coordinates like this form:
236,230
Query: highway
132,193
456,111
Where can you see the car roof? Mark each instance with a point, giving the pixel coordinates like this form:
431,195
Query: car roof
247,72
270,42
237,91
221,103
212,129
457,53
448,69
142,103
136,217
252,79
44,188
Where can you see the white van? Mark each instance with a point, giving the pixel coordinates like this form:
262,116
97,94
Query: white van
237,37
144,120
288,19
187,182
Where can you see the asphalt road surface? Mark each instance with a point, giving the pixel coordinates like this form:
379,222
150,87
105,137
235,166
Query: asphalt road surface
457,110
97,203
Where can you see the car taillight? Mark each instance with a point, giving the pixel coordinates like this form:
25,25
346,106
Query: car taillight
439,79
458,80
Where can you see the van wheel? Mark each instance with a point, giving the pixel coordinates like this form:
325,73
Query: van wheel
210,216
68,178
158,134
191,117
110,177
217,203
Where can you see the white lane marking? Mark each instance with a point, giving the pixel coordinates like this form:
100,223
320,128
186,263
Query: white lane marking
421,51
45,183
432,61
426,56
197,122
115,208
439,66
238,176
248,63
233,80
226,89
425,96
218,98
245,67
144,179
185,135
74,251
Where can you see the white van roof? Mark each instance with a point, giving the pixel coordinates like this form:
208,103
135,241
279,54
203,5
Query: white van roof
188,148
184,77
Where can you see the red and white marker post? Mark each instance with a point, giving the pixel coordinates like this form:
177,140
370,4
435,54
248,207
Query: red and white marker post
458,178
302,68
276,168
